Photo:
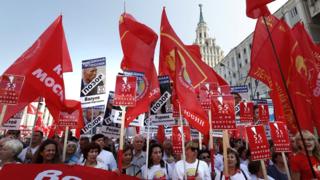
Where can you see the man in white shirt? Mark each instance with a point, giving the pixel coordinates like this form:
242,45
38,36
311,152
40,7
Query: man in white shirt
139,156
27,153
192,167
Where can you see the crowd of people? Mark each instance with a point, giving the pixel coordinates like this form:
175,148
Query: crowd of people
100,152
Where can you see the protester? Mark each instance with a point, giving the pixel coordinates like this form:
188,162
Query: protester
277,170
300,167
9,150
104,156
234,171
194,168
27,153
14,134
83,142
139,156
127,167
157,167
255,170
48,153
90,156
71,157
244,155
168,155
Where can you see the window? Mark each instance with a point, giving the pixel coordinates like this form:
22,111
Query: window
244,51
232,62
234,75
246,61
240,65
200,35
250,46
239,55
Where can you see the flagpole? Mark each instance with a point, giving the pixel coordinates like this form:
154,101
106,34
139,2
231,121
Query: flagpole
65,144
286,165
35,120
264,170
121,143
148,139
289,96
3,112
200,140
183,143
225,143
211,148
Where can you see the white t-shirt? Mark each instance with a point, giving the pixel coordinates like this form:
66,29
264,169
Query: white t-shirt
105,157
100,165
157,172
237,176
22,155
218,161
254,177
203,170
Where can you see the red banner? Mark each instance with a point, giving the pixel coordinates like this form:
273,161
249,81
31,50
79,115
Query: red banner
67,119
223,115
177,138
258,143
10,88
56,171
205,94
263,113
125,93
280,137
246,112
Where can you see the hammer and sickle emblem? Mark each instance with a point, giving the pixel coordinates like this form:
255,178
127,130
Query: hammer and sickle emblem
301,66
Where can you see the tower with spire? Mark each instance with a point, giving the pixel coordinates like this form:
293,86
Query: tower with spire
211,53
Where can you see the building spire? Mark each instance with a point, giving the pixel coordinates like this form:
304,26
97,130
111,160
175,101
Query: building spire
201,16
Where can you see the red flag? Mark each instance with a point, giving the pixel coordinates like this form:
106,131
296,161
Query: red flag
42,65
311,54
70,107
138,44
265,69
190,107
257,8
190,56
161,136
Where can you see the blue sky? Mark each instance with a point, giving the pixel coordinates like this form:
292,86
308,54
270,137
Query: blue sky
91,27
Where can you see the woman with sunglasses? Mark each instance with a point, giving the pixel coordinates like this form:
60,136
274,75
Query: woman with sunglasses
299,163
195,168
157,168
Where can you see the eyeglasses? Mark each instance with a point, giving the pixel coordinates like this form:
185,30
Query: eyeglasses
205,157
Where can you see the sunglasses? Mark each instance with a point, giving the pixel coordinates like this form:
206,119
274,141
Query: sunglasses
205,157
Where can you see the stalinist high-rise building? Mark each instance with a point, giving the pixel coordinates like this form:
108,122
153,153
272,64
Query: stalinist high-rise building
211,53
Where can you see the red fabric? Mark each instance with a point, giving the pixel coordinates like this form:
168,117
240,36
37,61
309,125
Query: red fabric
292,65
57,171
161,136
299,164
190,107
138,44
70,107
42,65
311,54
257,8
190,56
